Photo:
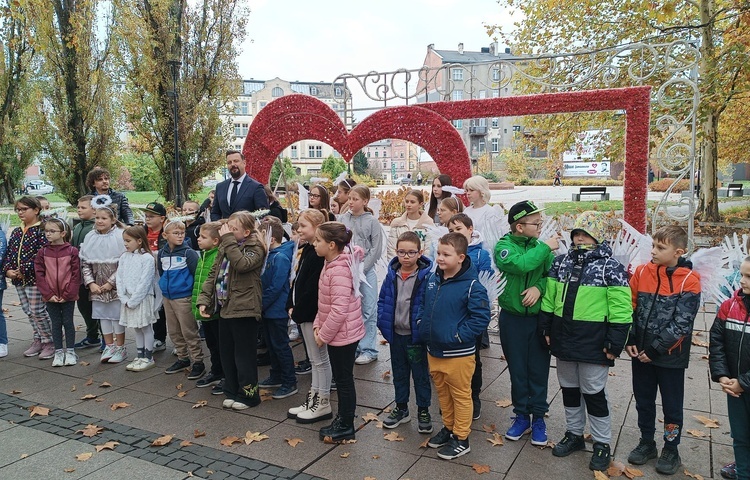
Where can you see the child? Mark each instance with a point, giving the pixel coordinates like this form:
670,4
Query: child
414,219
448,208
3,286
585,319
438,195
302,305
342,194
485,217
666,297
136,291
455,313
86,214
58,274
338,322
729,361
176,264
401,297
156,216
335,207
368,234
44,202
275,281
100,254
18,265
208,242
319,199
233,289
190,208
525,262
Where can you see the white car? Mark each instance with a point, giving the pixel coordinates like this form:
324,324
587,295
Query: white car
402,181
38,187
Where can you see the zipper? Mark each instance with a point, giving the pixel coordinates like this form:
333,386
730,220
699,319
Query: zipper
640,341
742,337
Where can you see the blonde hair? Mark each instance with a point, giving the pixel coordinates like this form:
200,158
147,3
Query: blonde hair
171,225
480,184
363,192
248,222
314,216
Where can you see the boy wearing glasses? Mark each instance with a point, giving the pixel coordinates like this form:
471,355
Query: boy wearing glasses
400,299
525,262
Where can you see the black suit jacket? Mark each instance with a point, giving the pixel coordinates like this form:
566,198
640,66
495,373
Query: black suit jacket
250,197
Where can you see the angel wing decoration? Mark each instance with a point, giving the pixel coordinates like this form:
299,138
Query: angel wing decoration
494,283
726,280
493,229
140,217
357,269
551,227
342,176
295,261
631,247
375,205
268,238
304,197
59,213
454,190
707,262
5,223
434,232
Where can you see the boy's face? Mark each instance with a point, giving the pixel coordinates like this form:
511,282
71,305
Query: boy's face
665,253
529,226
745,277
448,259
582,238
190,208
206,241
408,253
86,211
459,227
175,237
154,222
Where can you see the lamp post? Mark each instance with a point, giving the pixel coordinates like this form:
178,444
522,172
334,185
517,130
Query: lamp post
174,65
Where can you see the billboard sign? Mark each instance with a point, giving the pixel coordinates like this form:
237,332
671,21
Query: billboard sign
586,169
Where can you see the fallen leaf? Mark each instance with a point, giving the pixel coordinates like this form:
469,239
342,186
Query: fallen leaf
370,478
375,457
369,416
496,440
115,406
548,445
37,410
379,424
612,374
251,437
161,441
384,342
179,386
99,400
387,410
393,437
424,444
24,455
704,357
190,474
600,475
16,304
265,394
229,441
480,469
181,394
698,334
90,430
587,437
699,343
73,388
693,475
327,439
105,385
631,472
386,374
88,396
185,443
209,472
502,357
198,434
200,404
107,446
69,470
616,469
345,455
16,392
504,403
89,382
293,441
696,433
707,422
82,457
84,364
489,428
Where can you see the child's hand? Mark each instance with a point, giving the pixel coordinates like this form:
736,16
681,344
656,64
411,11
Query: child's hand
202,310
731,386
55,299
95,289
106,287
546,338
290,312
553,242
12,274
225,229
643,357
632,350
530,296
318,341
609,355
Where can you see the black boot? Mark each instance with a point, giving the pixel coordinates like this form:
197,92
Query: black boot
341,429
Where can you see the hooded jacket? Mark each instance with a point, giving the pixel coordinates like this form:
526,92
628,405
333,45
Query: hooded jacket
399,226
22,248
586,306
479,256
58,272
191,231
730,341
389,296
367,233
80,231
176,270
455,312
339,317
525,262
206,260
275,281
303,295
665,303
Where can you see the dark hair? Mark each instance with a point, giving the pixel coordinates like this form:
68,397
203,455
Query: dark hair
30,202
455,240
270,195
462,218
409,236
672,235
274,225
325,200
444,180
95,174
346,184
63,224
41,197
137,232
232,152
335,232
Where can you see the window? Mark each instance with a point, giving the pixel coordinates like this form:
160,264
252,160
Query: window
385,164
262,104
459,124
495,122
294,151
482,94
402,155
368,154
481,145
482,122
237,130
338,91
411,165
277,92
402,165
314,91
496,94
376,153
243,130
457,95
495,74
495,145
318,151
241,108
457,73
311,151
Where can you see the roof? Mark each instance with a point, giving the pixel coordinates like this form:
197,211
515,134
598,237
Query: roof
452,56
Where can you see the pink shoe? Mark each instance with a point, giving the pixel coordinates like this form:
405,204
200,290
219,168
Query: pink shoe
34,349
48,351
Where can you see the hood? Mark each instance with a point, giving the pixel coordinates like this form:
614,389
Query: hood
465,267
286,248
592,223
422,262
59,249
179,249
476,238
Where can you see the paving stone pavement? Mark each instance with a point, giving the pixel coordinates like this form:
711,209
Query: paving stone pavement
44,446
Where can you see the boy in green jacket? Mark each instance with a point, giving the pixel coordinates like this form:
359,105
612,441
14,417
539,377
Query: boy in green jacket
86,215
525,262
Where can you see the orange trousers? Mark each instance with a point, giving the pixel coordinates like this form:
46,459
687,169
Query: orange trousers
452,378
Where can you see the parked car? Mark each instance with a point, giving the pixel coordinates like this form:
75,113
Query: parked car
402,181
211,183
38,187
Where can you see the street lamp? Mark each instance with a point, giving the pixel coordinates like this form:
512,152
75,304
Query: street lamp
174,65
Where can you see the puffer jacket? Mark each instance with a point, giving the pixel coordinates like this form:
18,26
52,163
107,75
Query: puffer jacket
192,231
730,341
339,317
389,295
665,303
176,270
303,296
586,306
58,272
23,246
455,312
479,256
275,281
525,262
399,226
244,298
122,207
205,262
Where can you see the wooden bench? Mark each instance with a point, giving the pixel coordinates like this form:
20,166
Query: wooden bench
601,192
732,190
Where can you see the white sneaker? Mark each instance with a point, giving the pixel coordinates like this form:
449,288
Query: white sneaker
130,366
59,359
144,364
319,410
71,358
120,354
293,412
364,359
159,346
227,403
109,350
3,350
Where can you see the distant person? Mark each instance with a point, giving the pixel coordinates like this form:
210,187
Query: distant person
239,192
98,182
205,210
190,208
558,178
274,207
342,194
419,178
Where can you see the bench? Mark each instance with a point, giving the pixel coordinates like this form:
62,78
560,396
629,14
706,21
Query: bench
601,192
732,190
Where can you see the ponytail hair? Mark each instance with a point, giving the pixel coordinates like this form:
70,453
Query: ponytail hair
335,232
363,192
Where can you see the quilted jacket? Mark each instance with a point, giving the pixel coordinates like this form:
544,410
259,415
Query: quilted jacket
339,316
730,341
58,272
388,295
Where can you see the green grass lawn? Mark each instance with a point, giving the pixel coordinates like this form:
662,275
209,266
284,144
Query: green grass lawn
141,198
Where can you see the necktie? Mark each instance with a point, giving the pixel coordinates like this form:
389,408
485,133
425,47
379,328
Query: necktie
233,195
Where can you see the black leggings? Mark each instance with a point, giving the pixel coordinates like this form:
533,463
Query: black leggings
342,366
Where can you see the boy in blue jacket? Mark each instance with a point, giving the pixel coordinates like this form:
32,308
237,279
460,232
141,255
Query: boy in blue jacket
455,312
400,298
275,281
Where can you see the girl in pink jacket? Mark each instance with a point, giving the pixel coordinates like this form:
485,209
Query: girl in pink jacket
338,322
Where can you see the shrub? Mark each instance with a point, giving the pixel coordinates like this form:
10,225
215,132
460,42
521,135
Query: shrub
365,180
664,184
490,176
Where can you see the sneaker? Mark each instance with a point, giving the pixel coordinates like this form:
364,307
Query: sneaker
208,381
454,449
365,358
144,364
59,358
34,349
159,346
396,418
294,411
218,389
284,391
440,439
3,350
246,403
227,403
107,353
521,426
177,367
88,343
569,444
269,383
601,458
47,352
198,370
334,388
669,461
476,411
645,451
729,471
129,367
71,358
319,409
119,354
539,432
303,367
293,334
425,422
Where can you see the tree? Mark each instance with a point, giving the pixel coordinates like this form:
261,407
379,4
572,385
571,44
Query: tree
360,163
288,168
144,174
332,167
74,39
204,36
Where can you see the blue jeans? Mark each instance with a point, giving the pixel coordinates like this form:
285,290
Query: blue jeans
277,340
3,328
409,358
369,314
739,423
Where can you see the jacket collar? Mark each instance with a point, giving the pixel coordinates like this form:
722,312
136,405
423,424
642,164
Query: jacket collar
465,266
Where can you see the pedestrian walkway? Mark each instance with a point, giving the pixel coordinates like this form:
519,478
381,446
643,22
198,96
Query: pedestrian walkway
45,446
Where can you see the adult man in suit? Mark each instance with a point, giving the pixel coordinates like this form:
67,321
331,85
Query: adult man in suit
239,192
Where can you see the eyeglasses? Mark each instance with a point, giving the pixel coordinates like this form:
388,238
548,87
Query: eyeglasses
313,195
48,232
22,210
536,224
405,254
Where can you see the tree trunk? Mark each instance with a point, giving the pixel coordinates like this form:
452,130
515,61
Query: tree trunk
708,205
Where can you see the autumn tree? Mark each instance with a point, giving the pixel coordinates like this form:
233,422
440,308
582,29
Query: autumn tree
332,167
204,36
360,163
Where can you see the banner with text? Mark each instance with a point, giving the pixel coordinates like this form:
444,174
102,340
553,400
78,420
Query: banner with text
586,169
